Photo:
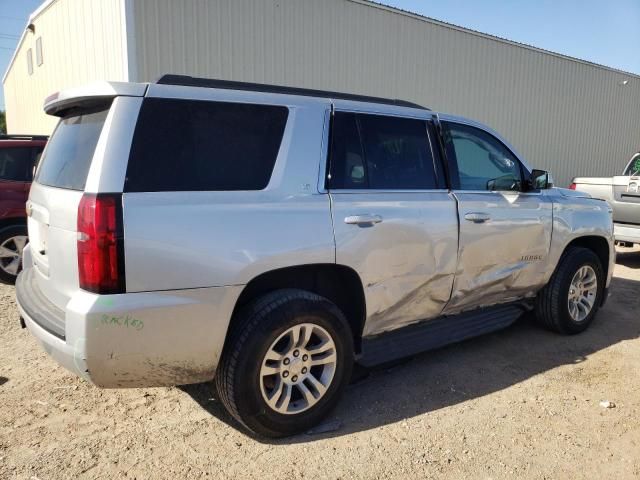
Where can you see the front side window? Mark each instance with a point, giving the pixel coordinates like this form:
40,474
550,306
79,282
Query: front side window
16,164
380,152
483,162
189,145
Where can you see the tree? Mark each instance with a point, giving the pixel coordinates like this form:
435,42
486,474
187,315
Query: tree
3,121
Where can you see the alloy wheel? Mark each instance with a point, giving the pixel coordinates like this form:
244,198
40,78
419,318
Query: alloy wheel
298,368
582,293
11,254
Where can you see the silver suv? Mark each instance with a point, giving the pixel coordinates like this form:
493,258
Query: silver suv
268,237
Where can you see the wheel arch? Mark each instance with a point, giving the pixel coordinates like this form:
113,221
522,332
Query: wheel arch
12,222
338,283
597,244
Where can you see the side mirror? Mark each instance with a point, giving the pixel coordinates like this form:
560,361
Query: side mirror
540,180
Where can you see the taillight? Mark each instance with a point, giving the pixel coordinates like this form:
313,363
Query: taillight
572,186
100,243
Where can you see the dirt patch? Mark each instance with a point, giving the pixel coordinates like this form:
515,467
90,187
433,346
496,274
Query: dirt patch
519,403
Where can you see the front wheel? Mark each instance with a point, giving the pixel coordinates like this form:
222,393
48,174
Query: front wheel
569,302
286,362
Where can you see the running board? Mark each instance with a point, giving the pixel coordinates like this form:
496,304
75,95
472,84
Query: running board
432,334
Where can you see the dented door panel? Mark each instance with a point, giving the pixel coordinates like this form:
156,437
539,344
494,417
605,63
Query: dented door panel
406,261
502,256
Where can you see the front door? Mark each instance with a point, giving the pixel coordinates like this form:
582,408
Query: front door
394,220
505,233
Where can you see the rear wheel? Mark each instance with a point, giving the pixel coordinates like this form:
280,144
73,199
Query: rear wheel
569,302
12,241
285,363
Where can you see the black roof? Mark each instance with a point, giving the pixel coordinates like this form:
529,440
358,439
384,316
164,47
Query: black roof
188,81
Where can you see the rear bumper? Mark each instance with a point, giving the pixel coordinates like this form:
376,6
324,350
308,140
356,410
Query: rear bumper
624,232
68,355
34,305
142,339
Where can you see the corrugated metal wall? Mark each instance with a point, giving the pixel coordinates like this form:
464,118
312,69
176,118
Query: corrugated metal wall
572,117
81,42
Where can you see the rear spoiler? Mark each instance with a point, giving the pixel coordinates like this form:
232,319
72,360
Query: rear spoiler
59,102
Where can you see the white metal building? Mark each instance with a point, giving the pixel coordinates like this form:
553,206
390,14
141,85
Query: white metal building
561,113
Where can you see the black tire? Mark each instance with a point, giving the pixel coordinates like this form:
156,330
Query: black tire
256,327
5,234
552,310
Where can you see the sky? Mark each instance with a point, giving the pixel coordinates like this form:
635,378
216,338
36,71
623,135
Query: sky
601,31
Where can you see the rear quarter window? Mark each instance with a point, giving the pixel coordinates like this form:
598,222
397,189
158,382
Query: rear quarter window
70,150
190,145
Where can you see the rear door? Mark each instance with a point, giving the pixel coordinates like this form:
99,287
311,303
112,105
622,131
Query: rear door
505,233
54,197
394,220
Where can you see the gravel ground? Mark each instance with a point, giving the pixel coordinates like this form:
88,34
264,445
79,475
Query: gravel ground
519,403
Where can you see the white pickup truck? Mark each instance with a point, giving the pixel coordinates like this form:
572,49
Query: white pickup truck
623,193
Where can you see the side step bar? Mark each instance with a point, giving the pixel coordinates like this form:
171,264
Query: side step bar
432,334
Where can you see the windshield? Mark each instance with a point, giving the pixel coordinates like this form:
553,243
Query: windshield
634,166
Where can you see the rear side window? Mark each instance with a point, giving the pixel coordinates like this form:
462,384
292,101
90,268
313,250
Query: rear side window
347,168
16,163
70,150
187,145
380,152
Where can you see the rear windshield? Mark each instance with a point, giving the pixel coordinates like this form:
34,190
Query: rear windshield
187,145
68,155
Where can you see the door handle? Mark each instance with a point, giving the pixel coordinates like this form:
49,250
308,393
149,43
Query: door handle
477,217
366,219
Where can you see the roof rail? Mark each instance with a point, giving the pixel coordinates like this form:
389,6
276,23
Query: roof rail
187,81
23,137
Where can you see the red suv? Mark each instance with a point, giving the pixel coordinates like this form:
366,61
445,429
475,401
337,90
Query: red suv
18,156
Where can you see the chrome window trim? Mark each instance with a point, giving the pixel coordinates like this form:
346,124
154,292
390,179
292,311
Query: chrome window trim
324,152
378,191
347,106
497,192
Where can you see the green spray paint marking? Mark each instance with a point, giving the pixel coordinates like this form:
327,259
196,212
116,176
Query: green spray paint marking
121,321
105,301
